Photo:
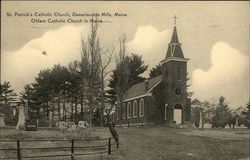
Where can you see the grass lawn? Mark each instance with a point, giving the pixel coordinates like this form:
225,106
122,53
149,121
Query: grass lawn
156,143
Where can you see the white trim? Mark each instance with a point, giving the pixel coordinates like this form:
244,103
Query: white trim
174,59
141,114
171,50
128,109
153,86
131,110
135,109
140,96
166,105
174,44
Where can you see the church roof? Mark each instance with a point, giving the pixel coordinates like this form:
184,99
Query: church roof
174,48
140,88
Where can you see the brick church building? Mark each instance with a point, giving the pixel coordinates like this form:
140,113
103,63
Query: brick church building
142,100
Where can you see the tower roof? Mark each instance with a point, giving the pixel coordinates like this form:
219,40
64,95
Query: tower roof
174,38
174,47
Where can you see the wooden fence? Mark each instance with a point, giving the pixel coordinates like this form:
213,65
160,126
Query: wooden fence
104,148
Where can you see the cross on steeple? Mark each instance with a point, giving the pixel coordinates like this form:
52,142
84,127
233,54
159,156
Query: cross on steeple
174,47
175,19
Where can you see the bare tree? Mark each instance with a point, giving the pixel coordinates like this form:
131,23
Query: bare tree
105,61
122,71
121,65
73,90
90,68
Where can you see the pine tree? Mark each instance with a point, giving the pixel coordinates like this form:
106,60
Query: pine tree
8,96
246,113
127,73
155,71
221,114
136,67
8,101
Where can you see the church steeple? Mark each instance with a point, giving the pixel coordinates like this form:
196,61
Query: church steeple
174,47
174,38
174,51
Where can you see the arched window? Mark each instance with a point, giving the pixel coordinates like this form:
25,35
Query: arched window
131,110
123,110
135,109
141,108
128,110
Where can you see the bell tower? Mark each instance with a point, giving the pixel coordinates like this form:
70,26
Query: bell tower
174,78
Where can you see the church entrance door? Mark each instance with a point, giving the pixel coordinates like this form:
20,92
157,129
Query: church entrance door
178,114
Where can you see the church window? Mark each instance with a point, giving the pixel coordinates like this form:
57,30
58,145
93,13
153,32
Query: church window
129,110
123,111
178,72
141,108
135,109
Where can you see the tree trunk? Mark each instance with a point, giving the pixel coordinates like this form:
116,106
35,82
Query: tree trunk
59,107
44,111
76,111
102,101
47,113
53,114
101,116
81,108
47,110
72,109
91,105
64,109
90,115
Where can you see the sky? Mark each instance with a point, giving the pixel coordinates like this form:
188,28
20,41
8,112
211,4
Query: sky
214,36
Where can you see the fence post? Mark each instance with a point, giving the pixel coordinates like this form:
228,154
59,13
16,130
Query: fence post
19,157
109,147
72,150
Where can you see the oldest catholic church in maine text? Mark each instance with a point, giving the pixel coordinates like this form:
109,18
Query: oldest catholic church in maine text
163,98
